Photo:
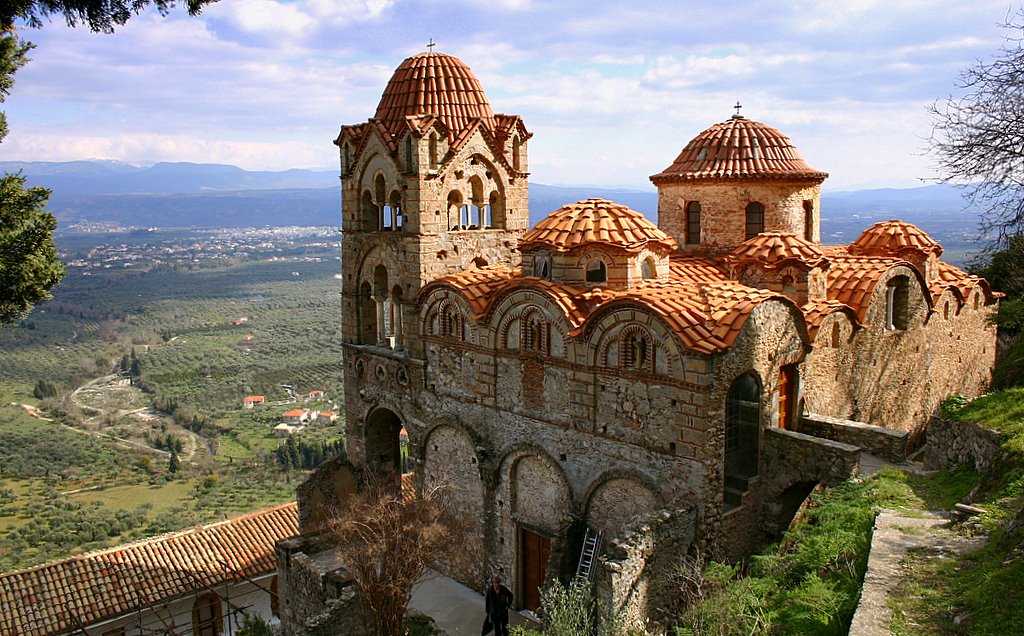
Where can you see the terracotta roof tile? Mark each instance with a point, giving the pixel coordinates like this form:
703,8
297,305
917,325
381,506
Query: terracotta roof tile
102,585
596,221
852,279
776,249
963,283
892,238
739,148
434,84
696,269
815,313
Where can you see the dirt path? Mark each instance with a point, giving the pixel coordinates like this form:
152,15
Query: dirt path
894,535
111,398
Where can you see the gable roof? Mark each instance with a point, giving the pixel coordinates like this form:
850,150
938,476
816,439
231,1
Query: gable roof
59,596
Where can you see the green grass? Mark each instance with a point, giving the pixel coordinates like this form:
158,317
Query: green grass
981,592
159,497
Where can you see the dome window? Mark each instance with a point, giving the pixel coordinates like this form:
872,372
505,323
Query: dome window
597,271
648,269
754,219
693,223
897,303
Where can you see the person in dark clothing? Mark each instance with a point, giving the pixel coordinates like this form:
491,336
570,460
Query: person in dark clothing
497,602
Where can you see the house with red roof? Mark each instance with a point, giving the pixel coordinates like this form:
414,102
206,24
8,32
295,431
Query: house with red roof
201,580
662,387
250,401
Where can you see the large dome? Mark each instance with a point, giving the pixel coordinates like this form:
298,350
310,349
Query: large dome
434,84
739,148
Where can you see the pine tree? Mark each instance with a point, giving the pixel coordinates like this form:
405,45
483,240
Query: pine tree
174,464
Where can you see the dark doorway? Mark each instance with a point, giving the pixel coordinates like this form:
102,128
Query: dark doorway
742,436
383,444
534,552
788,380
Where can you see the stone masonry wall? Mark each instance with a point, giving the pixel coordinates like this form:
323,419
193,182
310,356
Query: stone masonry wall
723,209
886,443
954,443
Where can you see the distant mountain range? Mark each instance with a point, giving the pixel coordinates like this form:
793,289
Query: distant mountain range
216,195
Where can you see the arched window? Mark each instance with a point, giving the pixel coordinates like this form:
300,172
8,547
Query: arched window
742,432
637,350
395,210
367,315
648,269
432,149
381,200
453,323
455,210
369,212
693,223
478,211
897,303
542,266
597,271
516,147
535,332
809,220
207,619
789,286
754,219
837,334
496,205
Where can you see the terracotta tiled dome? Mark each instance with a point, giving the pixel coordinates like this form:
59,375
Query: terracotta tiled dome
596,221
434,84
774,248
739,148
892,238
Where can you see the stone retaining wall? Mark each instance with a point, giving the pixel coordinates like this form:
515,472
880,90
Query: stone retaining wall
953,443
891,445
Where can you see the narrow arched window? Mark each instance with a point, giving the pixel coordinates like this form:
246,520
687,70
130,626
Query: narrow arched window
432,149
742,433
897,303
516,147
754,219
535,333
542,266
809,220
693,223
597,272
637,351
648,269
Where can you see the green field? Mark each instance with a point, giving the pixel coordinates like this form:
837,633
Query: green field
205,332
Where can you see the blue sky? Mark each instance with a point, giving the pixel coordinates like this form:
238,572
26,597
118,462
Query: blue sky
611,90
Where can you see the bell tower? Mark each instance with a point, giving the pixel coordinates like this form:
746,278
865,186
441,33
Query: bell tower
433,184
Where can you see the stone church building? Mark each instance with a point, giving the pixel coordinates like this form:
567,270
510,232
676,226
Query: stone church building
676,386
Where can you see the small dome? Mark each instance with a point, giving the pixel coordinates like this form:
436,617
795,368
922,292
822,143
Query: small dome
774,248
739,148
596,221
892,238
434,84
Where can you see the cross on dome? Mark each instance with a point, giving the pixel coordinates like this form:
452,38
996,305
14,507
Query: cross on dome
738,106
431,45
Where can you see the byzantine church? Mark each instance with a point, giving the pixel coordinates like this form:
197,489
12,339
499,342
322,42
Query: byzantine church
608,394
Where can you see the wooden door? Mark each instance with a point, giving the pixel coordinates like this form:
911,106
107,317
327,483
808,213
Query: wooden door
787,396
535,551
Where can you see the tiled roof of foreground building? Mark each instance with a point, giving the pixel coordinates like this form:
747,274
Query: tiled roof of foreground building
434,84
698,300
596,221
60,596
707,317
739,148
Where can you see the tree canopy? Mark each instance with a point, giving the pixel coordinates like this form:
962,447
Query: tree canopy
29,266
978,136
100,16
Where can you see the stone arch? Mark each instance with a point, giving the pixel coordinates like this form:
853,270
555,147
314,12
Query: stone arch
648,268
450,461
382,446
602,330
456,209
479,211
367,314
323,492
496,201
617,499
506,308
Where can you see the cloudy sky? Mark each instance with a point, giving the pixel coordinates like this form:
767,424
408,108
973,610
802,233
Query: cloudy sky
611,90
